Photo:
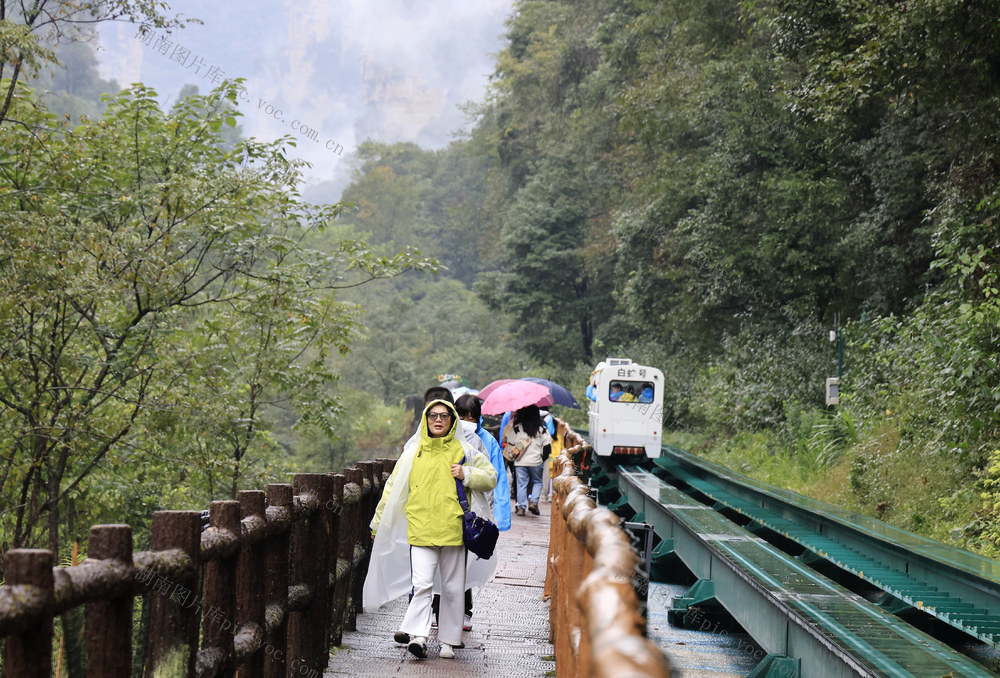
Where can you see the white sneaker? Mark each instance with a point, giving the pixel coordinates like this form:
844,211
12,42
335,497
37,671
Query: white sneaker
467,623
418,647
447,651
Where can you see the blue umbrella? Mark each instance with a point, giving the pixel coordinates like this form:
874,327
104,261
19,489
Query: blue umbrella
560,394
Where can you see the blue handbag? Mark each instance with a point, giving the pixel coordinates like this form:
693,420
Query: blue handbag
479,534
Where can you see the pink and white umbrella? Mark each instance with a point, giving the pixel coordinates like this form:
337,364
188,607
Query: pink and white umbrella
485,391
515,395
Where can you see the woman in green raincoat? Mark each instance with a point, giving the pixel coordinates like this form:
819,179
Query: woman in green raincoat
418,530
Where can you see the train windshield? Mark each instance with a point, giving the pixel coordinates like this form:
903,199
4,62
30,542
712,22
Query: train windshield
623,391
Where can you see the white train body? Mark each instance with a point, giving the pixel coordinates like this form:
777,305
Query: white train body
626,409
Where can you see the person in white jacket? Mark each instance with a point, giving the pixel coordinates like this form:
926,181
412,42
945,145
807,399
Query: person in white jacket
530,444
418,530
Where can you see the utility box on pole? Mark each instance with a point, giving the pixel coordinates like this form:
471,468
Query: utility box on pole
832,390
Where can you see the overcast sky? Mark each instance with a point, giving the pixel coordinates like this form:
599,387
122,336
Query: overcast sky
393,70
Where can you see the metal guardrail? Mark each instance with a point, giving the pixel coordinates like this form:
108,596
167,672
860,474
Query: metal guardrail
809,625
959,588
594,617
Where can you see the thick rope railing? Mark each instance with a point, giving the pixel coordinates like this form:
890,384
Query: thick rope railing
594,618
268,587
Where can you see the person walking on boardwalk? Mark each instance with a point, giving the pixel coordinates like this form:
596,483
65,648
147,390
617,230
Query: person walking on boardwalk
418,530
507,456
468,433
531,445
469,409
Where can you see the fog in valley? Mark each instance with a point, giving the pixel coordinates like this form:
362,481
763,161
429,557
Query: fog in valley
329,74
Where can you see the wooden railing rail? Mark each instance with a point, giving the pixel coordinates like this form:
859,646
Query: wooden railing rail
594,618
268,587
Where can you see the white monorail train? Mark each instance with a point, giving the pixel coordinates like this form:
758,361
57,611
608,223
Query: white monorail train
626,410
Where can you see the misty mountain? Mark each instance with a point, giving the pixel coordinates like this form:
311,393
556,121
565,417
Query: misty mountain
329,74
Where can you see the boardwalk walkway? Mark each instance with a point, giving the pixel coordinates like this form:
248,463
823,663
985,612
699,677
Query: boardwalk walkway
509,635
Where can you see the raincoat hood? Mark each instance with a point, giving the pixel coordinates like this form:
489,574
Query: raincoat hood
448,439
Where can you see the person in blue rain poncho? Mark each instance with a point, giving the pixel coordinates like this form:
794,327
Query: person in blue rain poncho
592,385
470,409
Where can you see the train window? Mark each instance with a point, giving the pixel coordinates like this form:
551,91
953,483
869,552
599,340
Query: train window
623,391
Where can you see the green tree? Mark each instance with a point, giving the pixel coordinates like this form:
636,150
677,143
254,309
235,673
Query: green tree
74,86
544,279
552,190
155,290
30,30
421,329
416,329
404,194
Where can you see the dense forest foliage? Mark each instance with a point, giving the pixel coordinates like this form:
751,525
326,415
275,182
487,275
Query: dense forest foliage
169,302
711,187
708,187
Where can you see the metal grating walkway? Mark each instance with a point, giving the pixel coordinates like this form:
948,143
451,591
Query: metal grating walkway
510,630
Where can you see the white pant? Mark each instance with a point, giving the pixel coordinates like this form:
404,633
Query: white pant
424,562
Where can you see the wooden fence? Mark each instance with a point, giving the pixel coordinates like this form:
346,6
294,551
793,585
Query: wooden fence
594,618
264,591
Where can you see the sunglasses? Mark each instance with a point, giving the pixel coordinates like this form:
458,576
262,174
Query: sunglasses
432,416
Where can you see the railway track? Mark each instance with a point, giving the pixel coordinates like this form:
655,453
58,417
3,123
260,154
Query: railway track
825,592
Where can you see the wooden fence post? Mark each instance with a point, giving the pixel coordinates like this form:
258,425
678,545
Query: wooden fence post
351,531
342,563
279,496
109,622
173,634
336,616
219,591
28,654
250,584
369,498
310,567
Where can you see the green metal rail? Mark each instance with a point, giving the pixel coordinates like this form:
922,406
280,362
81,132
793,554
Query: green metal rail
955,586
809,625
